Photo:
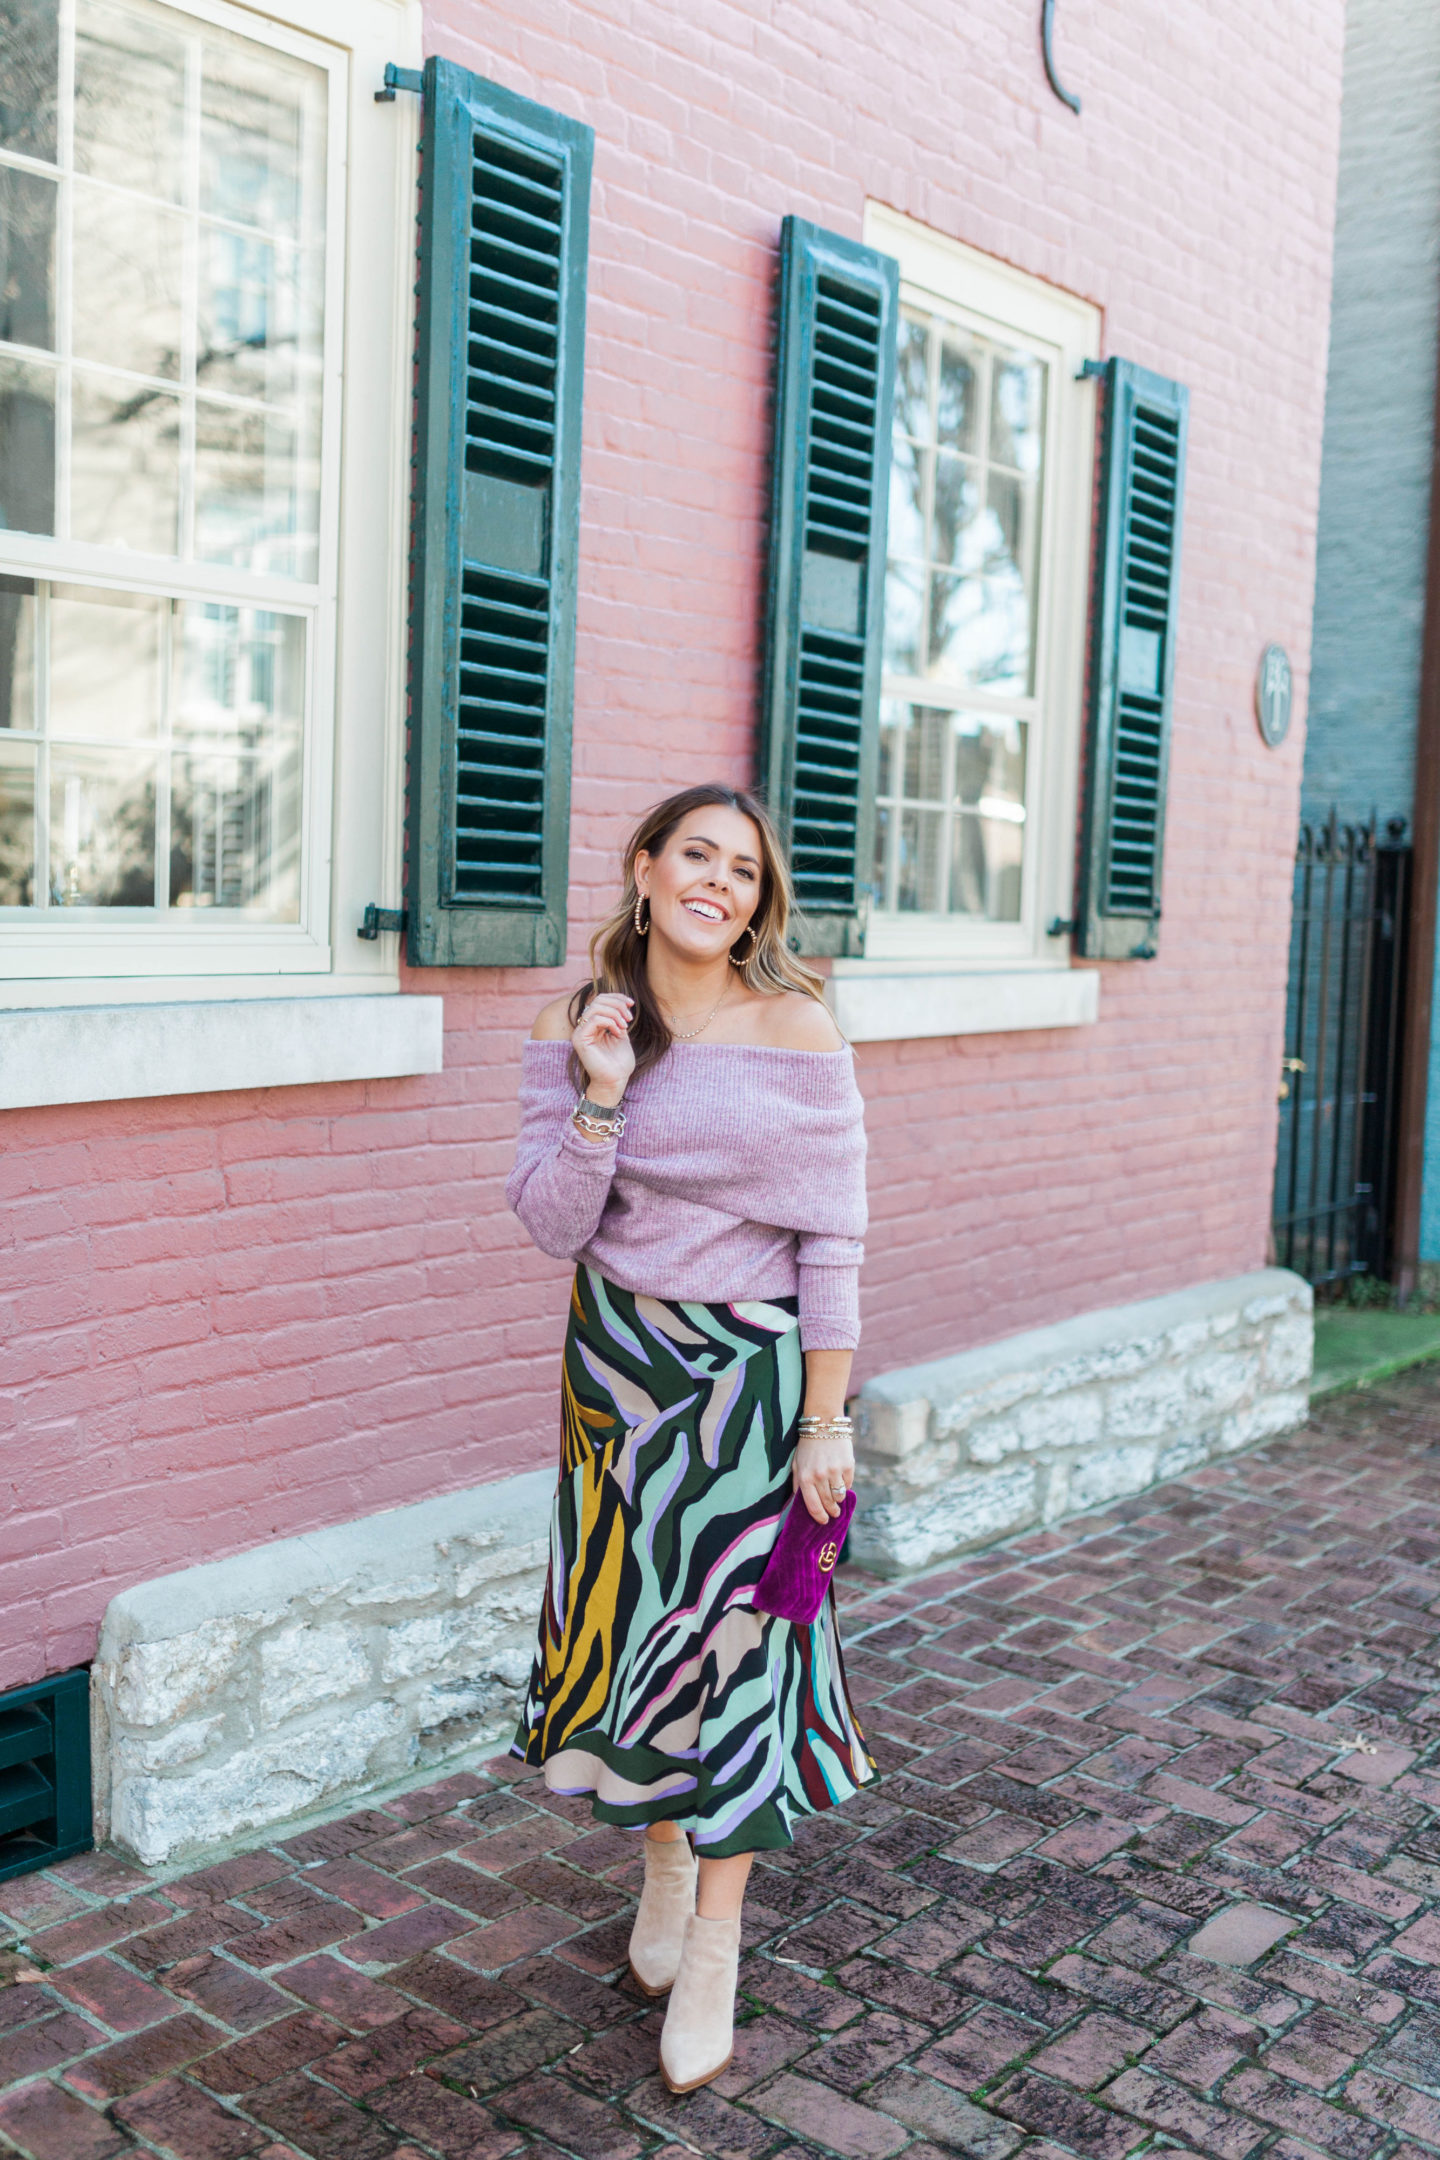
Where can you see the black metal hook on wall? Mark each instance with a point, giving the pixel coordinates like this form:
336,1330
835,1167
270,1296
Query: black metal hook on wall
1047,32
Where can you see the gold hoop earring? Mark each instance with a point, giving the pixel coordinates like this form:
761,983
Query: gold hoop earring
754,941
642,929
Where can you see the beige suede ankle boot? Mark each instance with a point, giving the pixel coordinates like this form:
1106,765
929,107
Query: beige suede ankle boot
699,2036
666,1903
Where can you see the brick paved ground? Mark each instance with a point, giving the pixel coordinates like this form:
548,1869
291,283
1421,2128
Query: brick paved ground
1125,1889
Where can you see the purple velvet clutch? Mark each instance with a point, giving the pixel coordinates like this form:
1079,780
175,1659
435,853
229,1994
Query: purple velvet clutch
798,1572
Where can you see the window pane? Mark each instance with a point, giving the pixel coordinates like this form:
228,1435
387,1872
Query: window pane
27,447
259,328
954,609
261,137
104,664
242,675
907,499
912,378
985,868
27,258
880,877
236,801
129,99
956,782
29,68
1017,412
17,824
956,788
256,491
904,584
102,827
1009,574
990,764
128,261
17,653
125,486
235,834
922,863
892,721
955,414
925,741
957,500
980,625
194,285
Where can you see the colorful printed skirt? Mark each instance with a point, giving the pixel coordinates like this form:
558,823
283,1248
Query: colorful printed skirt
657,1688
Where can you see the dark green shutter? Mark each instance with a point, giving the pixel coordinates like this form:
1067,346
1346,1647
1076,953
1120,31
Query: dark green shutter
44,1773
504,227
835,387
1132,662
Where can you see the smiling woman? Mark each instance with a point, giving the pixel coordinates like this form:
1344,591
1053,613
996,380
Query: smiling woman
716,1218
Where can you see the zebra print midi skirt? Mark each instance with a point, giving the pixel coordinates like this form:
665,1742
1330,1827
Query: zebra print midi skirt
657,1688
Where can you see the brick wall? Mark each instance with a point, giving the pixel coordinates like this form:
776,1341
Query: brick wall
239,1317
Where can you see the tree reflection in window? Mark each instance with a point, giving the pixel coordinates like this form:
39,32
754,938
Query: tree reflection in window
960,621
161,432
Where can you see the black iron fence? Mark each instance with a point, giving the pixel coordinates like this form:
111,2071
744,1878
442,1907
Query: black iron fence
1335,1169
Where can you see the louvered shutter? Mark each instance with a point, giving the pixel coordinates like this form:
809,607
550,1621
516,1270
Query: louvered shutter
1133,662
835,387
504,226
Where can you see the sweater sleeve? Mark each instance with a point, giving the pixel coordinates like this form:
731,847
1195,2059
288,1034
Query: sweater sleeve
561,1180
829,1270
830,1247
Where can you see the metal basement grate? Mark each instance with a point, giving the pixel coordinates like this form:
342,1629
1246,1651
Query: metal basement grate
45,1773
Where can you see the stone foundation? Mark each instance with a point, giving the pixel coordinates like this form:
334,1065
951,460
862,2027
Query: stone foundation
239,1694
972,1448
234,1696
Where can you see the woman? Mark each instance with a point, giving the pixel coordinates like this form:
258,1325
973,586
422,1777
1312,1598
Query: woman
718,1243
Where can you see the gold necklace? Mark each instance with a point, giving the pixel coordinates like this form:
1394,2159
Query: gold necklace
676,1034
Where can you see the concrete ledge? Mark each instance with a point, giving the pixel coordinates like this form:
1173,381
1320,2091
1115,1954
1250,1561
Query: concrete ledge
241,1693
115,1053
876,1002
971,1448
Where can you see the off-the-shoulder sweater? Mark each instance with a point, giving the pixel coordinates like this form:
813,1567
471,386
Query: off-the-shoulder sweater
740,1174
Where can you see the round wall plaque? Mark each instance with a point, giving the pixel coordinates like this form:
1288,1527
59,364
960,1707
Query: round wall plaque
1273,694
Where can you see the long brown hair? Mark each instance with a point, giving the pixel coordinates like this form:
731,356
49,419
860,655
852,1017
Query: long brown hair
617,950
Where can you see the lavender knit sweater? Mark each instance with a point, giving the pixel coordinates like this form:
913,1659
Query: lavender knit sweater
740,1174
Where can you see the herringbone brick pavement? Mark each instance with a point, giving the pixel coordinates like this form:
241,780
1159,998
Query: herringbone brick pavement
1153,1869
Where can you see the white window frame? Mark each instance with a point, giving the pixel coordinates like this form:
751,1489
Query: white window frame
354,748
941,276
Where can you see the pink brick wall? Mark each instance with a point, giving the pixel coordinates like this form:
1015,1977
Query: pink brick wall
238,1317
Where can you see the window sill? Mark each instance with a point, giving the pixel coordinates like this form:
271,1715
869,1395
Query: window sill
876,1001
116,1053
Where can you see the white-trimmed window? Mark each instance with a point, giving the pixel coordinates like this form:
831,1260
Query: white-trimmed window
184,794
985,602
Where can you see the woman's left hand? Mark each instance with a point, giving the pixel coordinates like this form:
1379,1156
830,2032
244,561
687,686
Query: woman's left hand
823,1472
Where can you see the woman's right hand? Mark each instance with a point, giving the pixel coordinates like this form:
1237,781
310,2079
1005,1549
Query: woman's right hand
602,1044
